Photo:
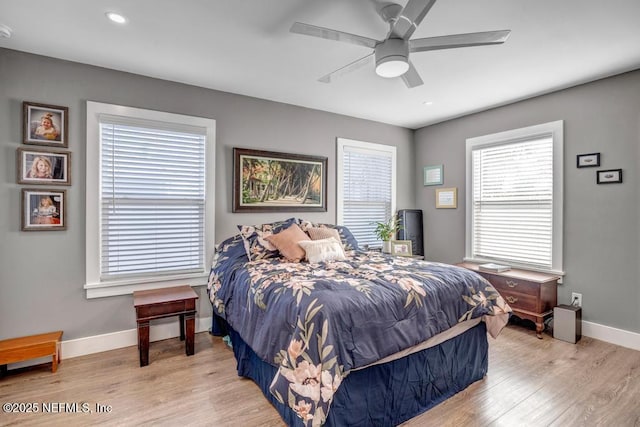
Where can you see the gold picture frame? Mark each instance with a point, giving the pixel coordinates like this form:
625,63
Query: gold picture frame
401,247
447,198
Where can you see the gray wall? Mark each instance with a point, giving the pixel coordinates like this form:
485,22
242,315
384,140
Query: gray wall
42,273
601,222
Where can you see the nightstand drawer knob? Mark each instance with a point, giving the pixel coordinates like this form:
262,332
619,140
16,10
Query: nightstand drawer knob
512,300
512,284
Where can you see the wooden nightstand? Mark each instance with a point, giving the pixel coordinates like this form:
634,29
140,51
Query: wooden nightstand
530,294
165,302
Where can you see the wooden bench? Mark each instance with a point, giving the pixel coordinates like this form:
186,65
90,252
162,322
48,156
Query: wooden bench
24,348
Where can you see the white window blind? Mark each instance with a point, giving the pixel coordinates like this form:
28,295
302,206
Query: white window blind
152,199
514,198
366,187
513,202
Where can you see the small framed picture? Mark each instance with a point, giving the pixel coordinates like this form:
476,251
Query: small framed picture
43,167
45,124
611,176
447,198
433,175
44,209
588,160
401,247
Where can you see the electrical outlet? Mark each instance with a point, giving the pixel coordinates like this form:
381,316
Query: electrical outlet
576,299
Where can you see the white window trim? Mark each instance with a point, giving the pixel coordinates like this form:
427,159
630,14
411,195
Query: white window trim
368,146
93,286
557,133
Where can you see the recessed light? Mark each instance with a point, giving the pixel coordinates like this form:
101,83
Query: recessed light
116,17
427,103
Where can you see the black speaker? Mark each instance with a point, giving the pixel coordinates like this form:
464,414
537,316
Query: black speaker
411,221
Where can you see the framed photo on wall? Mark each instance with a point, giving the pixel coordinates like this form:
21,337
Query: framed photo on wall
433,175
266,181
44,124
447,198
590,160
44,209
611,176
43,167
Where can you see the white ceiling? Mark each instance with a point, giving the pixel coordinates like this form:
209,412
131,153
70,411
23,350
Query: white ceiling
244,47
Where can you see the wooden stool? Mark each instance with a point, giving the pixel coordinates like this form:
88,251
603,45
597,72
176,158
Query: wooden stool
24,348
165,302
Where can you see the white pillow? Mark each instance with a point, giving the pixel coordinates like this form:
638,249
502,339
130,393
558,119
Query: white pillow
323,250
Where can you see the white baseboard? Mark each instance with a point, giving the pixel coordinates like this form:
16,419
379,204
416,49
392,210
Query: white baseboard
114,340
127,338
611,335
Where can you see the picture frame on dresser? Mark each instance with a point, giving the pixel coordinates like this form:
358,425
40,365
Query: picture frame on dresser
401,247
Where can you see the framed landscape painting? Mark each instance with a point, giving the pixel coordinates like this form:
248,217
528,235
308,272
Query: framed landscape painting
267,181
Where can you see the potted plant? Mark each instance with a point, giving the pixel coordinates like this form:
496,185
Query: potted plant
385,231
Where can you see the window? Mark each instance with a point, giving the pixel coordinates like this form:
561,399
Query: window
149,199
366,187
514,197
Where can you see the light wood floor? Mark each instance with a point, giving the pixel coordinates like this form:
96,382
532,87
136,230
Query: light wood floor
530,382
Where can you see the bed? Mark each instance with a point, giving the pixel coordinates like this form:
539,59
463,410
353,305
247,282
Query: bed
366,340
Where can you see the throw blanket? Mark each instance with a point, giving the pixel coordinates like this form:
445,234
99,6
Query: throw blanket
317,322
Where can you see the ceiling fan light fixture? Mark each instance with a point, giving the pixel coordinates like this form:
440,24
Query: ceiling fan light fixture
392,58
392,66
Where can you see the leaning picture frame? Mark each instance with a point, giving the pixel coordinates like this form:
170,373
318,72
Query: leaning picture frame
268,181
43,167
44,209
401,247
44,124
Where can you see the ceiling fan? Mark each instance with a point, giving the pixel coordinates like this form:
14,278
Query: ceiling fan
391,55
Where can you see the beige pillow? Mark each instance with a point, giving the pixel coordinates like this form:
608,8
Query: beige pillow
286,242
323,250
317,233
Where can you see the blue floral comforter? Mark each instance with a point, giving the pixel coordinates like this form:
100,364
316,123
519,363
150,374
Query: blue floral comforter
317,322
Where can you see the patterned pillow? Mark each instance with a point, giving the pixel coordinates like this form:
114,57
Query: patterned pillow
323,250
319,233
255,238
287,243
348,240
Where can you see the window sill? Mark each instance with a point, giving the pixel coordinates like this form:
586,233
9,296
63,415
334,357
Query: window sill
126,287
518,266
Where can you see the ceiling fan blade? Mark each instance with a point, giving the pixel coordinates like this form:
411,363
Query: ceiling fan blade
329,34
410,17
459,40
359,63
411,78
